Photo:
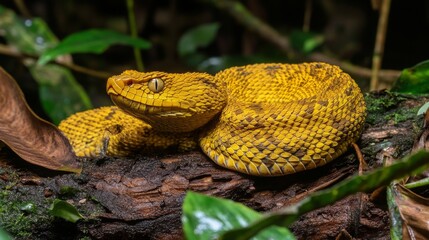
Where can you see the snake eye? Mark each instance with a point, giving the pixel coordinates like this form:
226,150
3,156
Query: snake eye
155,85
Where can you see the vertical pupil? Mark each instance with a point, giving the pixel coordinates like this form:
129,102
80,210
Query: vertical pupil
156,84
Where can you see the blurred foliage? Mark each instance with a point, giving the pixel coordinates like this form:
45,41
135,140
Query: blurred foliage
200,36
414,80
306,42
60,94
33,37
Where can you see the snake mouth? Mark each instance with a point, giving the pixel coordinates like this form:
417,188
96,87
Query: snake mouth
143,110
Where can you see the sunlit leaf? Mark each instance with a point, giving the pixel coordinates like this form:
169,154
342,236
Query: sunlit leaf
59,92
415,163
414,80
65,210
91,41
197,37
207,217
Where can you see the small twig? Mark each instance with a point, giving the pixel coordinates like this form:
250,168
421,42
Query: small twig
6,50
20,4
85,70
379,43
307,15
133,31
362,164
242,15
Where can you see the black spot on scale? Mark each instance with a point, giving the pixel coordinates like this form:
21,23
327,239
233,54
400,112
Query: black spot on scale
323,103
318,65
268,162
314,69
238,111
271,70
348,91
110,115
256,107
208,82
242,71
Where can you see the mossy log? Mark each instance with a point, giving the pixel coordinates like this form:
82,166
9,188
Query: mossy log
141,197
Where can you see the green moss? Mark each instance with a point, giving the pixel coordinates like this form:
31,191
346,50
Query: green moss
381,108
403,114
17,215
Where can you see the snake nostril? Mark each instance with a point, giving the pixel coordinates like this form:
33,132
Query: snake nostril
114,86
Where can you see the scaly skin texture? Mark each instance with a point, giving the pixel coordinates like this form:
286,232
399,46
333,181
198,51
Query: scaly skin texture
262,119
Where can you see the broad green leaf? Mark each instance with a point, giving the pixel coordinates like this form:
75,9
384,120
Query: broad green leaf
305,42
207,217
417,162
29,36
91,41
65,210
59,92
4,235
414,80
197,37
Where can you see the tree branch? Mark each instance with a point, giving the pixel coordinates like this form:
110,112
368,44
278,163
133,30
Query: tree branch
6,50
265,31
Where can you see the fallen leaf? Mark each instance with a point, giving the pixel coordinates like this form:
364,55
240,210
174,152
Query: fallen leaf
32,138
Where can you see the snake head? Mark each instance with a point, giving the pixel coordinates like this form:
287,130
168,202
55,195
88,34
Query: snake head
167,101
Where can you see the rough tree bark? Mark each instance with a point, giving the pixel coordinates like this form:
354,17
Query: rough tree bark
141,197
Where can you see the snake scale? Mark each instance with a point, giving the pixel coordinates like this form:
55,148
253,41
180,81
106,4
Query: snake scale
260,119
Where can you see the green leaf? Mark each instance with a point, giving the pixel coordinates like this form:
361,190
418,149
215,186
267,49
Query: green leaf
197,37
59,92
207,217
65,210
306,42
395,215
414,80
410,165
4,235
423,109
29,36
91,41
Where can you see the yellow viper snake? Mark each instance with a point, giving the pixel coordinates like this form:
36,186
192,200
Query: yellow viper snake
261,119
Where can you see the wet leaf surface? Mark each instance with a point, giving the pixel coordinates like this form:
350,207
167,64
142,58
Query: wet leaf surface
207,217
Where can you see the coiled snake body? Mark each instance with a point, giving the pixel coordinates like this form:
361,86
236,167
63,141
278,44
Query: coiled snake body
262,119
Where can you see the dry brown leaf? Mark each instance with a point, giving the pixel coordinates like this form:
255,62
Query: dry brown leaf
414,210
32,138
